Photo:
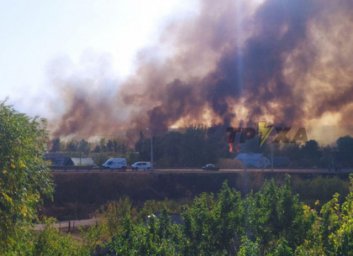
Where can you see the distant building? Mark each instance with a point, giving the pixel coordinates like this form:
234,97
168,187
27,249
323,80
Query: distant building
60,160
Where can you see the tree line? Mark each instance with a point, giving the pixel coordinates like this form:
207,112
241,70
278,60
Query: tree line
196,146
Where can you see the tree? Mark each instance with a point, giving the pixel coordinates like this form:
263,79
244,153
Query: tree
51,242
270,222
56,145
345,151
24,176
84,147
72,146
310,153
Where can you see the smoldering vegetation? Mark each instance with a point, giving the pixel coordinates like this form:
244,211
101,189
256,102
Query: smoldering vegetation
234,62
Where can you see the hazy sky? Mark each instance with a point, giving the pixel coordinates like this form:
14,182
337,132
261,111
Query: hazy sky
34,34
50,47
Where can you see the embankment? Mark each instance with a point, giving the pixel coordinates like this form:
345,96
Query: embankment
78,195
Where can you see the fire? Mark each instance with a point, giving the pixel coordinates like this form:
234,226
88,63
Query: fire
206,119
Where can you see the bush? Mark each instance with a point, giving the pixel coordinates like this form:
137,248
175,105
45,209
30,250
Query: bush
51,242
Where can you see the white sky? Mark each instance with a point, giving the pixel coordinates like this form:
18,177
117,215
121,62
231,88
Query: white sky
36,33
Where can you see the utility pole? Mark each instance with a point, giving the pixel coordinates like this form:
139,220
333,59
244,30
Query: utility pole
151,150
272,156
151,146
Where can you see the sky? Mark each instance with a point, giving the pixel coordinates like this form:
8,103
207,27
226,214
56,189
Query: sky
38,34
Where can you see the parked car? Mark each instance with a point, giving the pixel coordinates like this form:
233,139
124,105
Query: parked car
141,166
116,163
211,167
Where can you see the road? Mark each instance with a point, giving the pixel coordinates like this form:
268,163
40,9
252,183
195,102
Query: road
69,225
200,171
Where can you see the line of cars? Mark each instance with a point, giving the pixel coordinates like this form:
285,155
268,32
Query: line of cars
121,164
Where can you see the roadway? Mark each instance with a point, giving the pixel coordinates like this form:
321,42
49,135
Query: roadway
200,171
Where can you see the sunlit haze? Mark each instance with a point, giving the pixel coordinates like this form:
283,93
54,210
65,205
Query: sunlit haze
38,34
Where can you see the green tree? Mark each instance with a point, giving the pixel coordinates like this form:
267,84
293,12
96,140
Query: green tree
51,242
286,214
24,176
153,236
214,226
336,225
332,231
248,248
115,214
271,221
281,248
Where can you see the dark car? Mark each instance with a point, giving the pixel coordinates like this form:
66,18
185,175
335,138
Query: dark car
211,167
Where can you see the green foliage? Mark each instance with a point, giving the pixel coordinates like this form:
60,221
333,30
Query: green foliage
337,225
51,242
94,236
248,248
272,219
332,230
23,244
320,188
200,220
274,213
156,236
47,242
270,222
24,177
281,248
115,214
153,206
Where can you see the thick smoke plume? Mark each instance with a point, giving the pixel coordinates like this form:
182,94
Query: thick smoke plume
283,61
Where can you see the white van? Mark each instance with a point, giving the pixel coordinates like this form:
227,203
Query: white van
116,163
141,166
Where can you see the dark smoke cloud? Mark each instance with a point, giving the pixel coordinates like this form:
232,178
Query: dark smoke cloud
286,60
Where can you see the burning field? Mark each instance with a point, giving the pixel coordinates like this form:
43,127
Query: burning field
233,63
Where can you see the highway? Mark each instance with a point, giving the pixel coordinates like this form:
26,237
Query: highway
200,171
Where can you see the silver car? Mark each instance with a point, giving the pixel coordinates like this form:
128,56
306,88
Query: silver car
141,166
